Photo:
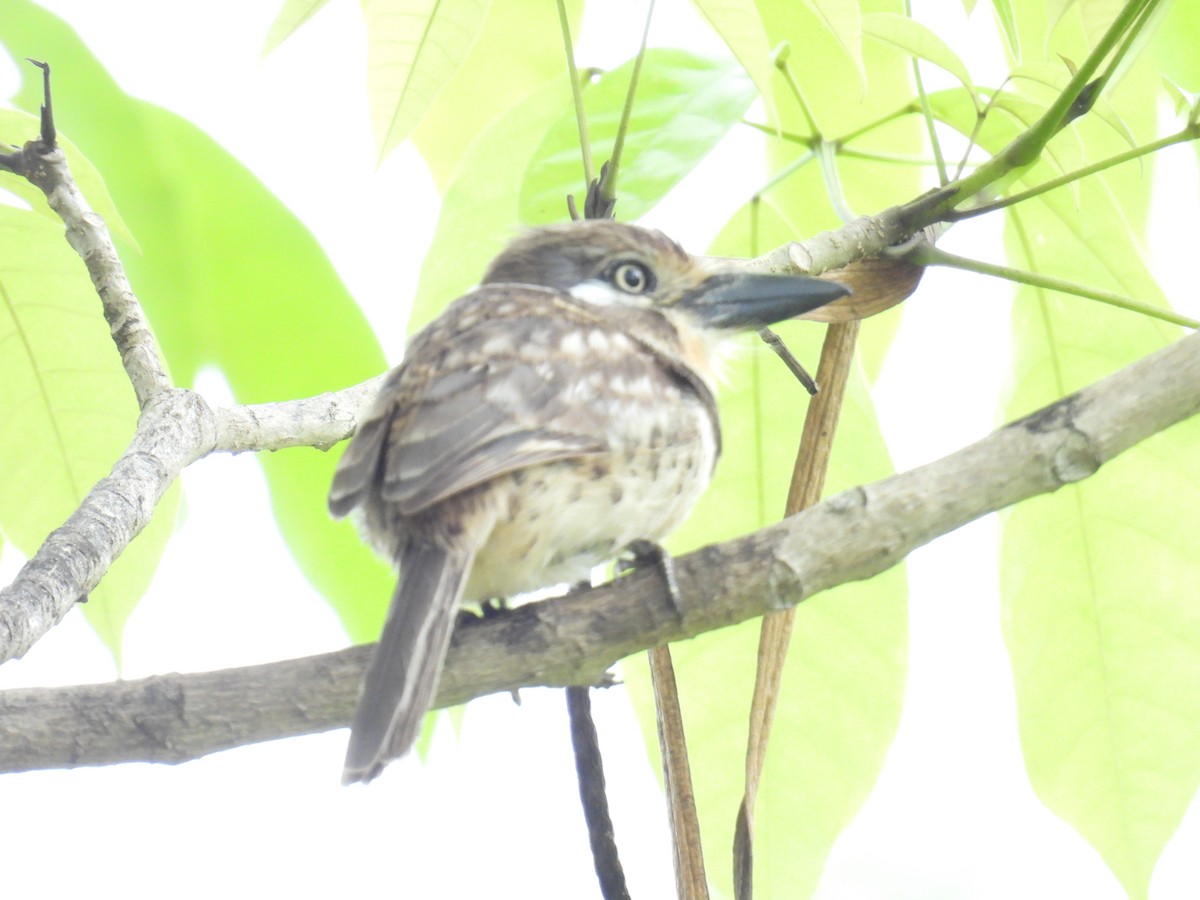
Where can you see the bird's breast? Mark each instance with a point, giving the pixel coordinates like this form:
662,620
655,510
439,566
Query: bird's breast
557,521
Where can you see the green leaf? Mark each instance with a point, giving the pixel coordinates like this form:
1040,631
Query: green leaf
916,40
1175,45
741,28
845,675
67,410
685,104
1054,10
1182,101
1099,580
229,278
414,48
1104,654
293,14
494,79
844,23
1008,26
479,212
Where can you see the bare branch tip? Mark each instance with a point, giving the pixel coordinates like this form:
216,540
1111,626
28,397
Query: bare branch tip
49,135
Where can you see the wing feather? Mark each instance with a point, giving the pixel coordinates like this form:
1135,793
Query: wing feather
499,422
440,427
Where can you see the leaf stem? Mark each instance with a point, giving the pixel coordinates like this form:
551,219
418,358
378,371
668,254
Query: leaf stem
827,159
929,255
1190,133
781,63
927,111
898,159
791,167
905,110
585,144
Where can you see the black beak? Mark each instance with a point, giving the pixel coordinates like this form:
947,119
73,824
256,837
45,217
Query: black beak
730,300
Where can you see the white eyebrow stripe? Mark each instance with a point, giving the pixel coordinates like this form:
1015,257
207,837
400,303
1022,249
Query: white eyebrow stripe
601,293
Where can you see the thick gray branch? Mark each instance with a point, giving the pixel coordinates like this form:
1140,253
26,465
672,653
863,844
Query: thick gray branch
176,428
573,640
172,429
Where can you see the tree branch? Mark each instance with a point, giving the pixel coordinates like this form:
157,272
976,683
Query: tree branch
44,165
176,428
574,639
173,430
320,421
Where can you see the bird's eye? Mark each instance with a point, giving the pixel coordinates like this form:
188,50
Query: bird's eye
632,278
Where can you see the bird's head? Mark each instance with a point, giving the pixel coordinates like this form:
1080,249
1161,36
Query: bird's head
608,263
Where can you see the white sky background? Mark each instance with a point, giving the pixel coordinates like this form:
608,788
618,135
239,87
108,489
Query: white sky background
953,814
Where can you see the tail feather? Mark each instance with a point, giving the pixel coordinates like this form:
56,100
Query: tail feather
402,677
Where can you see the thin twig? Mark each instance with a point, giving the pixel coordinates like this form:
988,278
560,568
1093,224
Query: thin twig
589,769
49,132
808,481
775,342
690,881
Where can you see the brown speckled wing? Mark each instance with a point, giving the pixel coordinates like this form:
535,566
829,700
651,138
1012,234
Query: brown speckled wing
495,419
479,395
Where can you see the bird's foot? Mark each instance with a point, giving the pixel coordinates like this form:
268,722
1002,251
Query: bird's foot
648,553
488,609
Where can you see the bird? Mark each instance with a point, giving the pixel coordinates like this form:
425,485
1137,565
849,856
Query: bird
556,415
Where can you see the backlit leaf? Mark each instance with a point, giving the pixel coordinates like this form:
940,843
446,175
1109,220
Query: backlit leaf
414,48
685,104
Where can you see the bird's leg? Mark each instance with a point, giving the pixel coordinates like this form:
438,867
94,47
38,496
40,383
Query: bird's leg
493,607
466,618
648,553
488,609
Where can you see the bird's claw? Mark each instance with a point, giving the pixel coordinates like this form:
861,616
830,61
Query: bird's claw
648,553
